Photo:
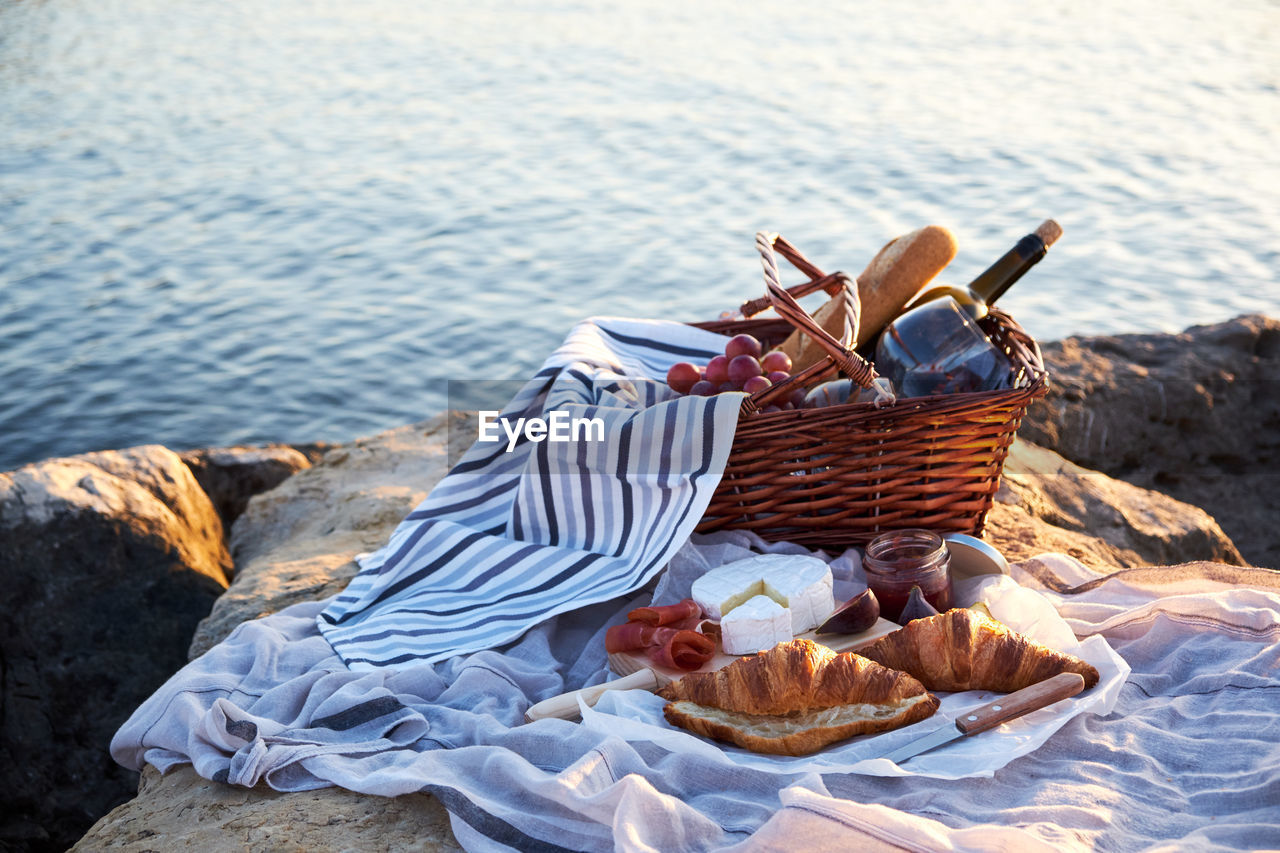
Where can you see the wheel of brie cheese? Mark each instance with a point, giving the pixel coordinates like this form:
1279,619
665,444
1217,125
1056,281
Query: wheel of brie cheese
765,600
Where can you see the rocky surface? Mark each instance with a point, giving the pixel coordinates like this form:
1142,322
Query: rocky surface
1195,415
232,475
184,812
1046,503
296,543
109,561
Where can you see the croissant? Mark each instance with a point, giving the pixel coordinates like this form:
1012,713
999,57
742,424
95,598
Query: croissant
965,650
795,698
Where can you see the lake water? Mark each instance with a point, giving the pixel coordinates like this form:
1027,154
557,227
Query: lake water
289,221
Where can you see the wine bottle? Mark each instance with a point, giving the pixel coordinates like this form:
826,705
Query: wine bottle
936,346
991,284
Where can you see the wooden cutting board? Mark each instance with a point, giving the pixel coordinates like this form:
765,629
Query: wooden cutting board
640,673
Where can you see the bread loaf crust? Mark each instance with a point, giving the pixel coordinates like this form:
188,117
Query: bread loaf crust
965,650
896,274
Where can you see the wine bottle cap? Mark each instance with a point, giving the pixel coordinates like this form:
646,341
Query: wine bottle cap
1048,232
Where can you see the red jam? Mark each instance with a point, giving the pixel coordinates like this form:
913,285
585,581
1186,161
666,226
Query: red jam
901,559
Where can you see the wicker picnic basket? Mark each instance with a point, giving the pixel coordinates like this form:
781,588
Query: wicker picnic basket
837,476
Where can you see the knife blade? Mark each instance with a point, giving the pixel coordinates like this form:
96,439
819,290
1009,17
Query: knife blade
994,713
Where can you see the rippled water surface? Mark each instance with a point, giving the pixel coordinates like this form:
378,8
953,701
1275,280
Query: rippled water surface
246,222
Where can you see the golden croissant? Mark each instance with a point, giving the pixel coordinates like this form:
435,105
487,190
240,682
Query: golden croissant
795,698
964,650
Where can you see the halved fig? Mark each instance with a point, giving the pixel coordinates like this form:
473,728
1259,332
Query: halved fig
854,616
917,607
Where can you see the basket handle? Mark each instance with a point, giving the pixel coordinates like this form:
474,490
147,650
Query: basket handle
818,280
840,353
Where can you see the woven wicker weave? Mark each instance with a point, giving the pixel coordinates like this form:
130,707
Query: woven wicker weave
837,476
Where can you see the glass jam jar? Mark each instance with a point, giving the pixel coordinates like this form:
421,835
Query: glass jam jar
901,559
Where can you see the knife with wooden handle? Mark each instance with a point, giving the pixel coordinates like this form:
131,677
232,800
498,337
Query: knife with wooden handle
994,713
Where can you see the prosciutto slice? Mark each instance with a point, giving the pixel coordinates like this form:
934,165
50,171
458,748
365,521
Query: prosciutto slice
628,637
666,614
633,636
687,650
675,645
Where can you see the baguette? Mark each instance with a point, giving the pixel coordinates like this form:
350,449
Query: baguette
896,274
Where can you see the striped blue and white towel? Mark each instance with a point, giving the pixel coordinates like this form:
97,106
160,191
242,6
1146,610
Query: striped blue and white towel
510,538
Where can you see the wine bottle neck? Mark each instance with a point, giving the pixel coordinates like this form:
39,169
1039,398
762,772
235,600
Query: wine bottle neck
991,284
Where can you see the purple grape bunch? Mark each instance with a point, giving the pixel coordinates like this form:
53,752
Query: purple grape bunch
743,367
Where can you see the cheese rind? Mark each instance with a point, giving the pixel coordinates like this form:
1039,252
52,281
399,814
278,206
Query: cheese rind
805,589
757,624
800,585
720,590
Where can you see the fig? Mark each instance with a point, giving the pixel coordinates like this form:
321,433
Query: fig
854,616
917,607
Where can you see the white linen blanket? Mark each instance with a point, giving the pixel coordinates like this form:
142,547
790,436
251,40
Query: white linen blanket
1188,759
